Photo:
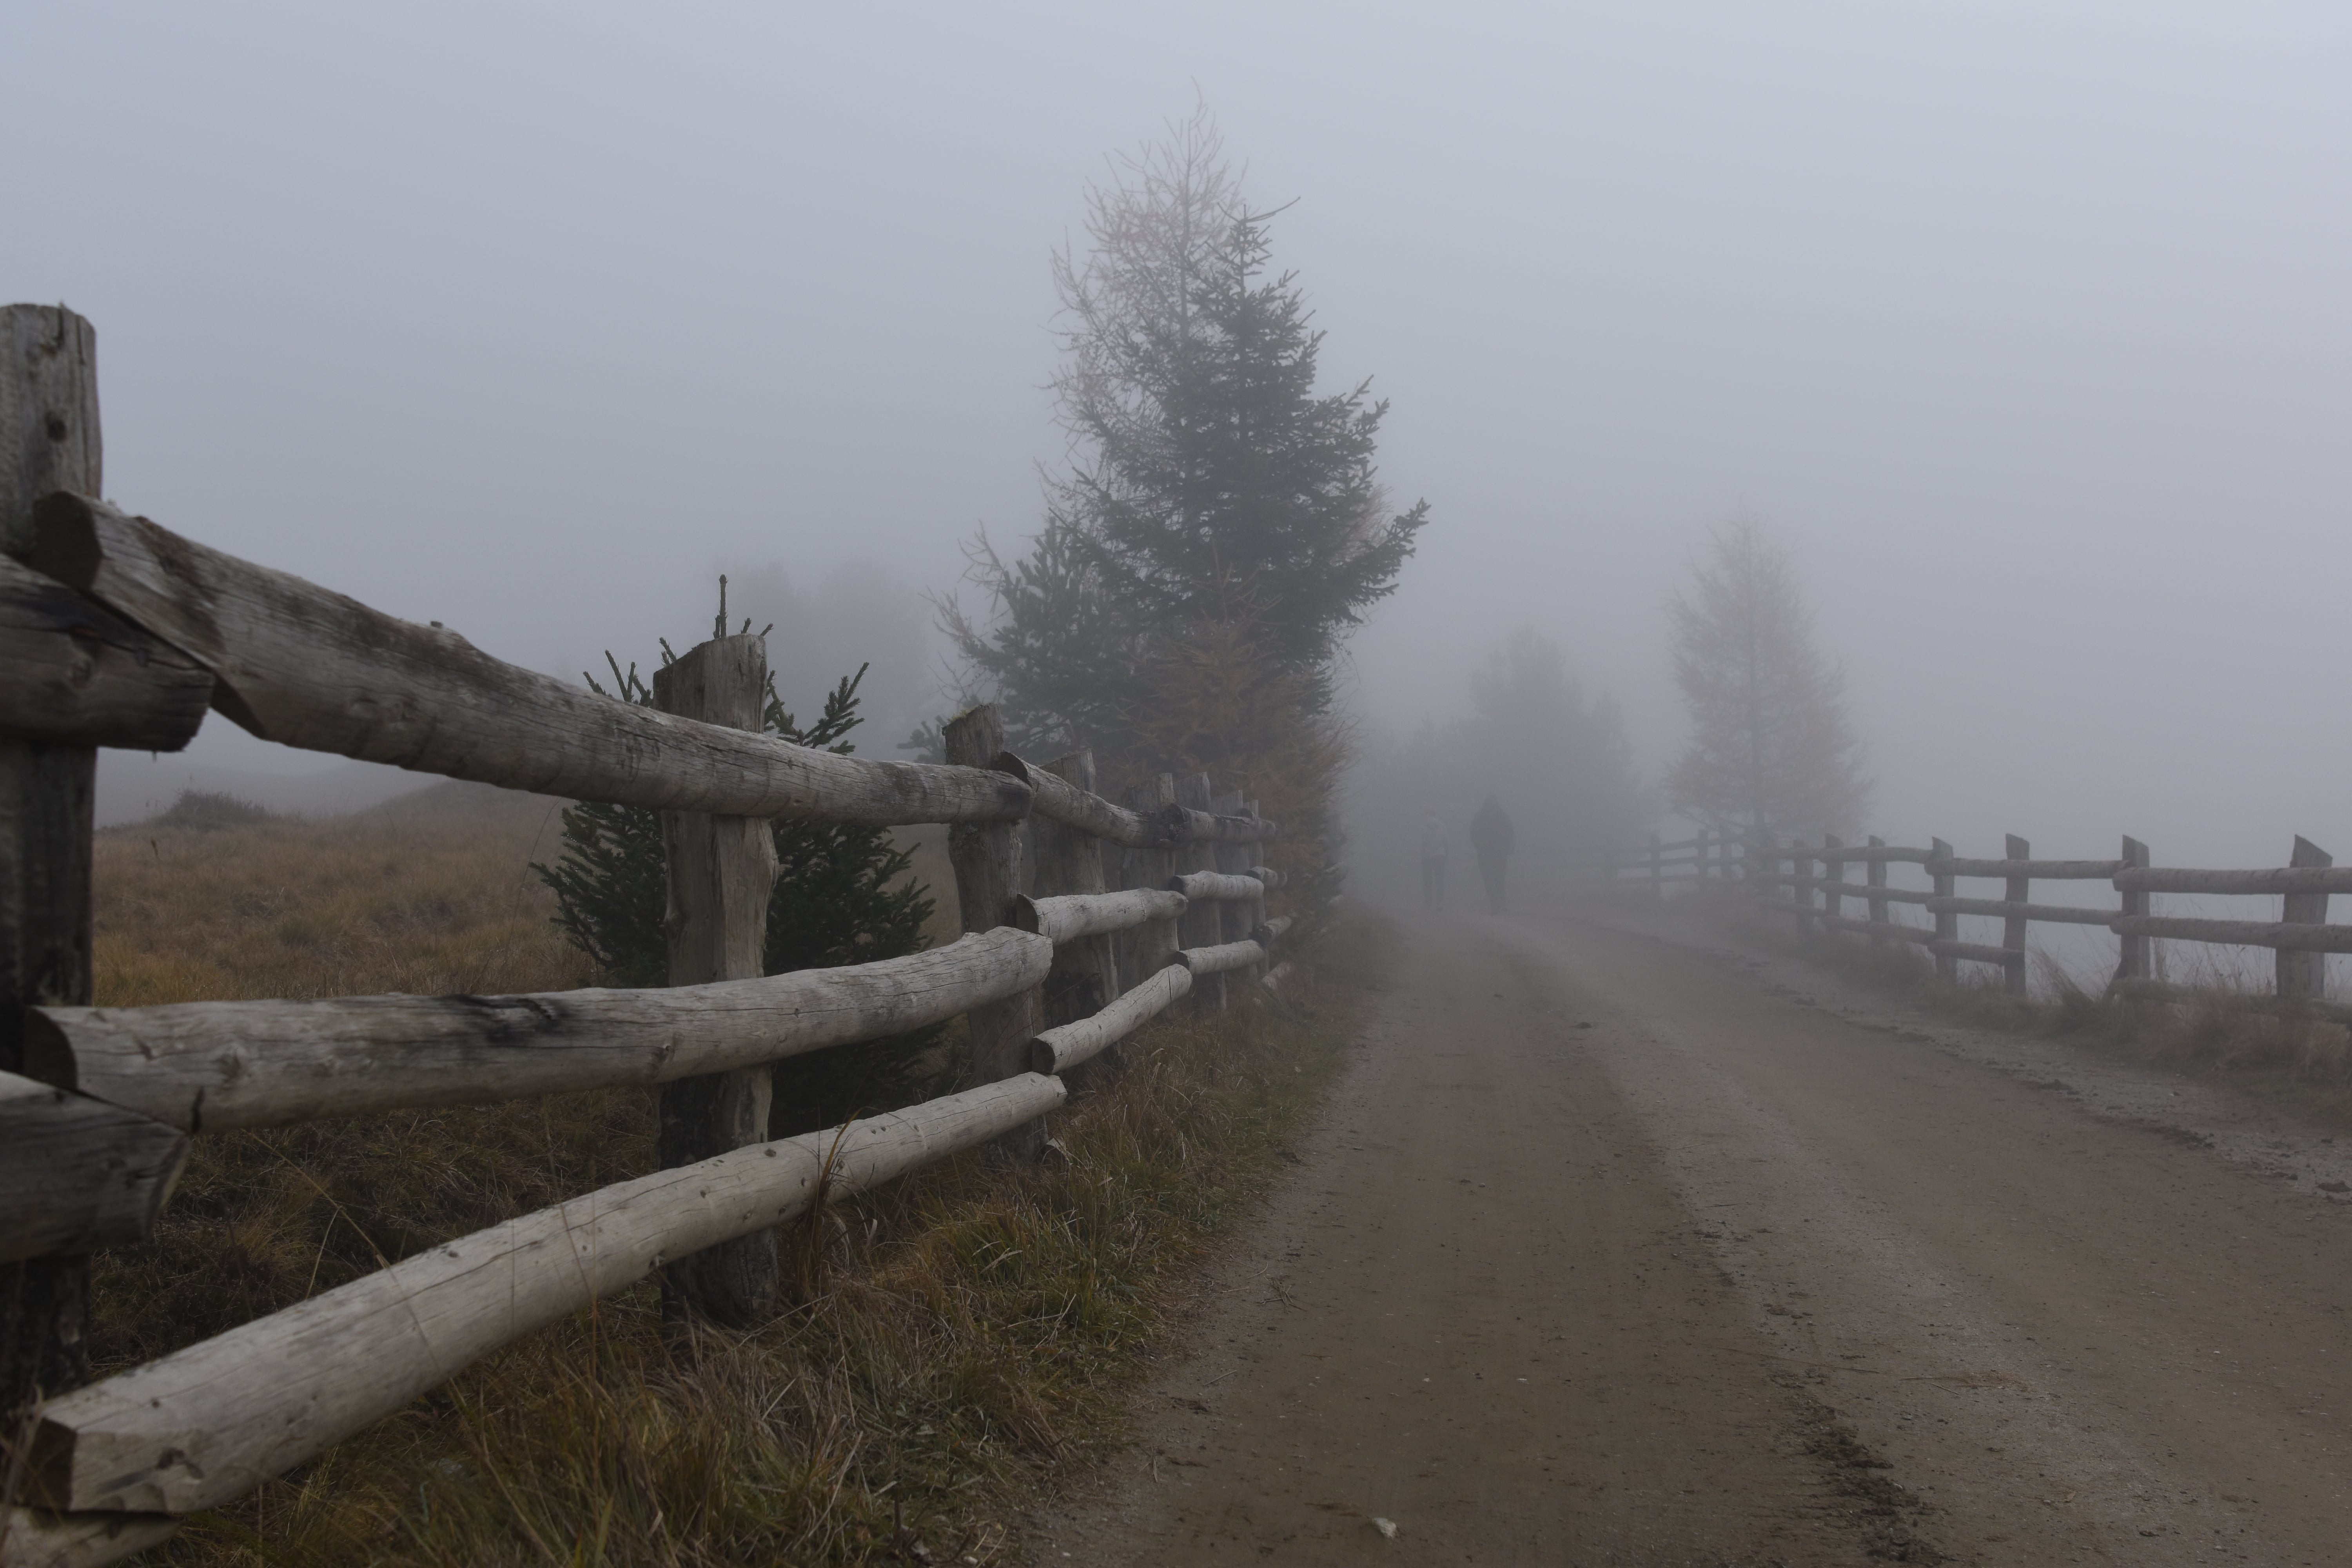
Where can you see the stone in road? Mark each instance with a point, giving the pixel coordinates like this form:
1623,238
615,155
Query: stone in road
1608,1252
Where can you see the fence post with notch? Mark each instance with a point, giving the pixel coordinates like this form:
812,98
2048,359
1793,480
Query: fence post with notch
1947,924
2303,975
2132,961
1874,875
986,859
48,419
721,874
2017,892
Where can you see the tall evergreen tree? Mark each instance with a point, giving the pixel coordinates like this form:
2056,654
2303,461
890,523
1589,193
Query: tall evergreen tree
1771,747
1213,500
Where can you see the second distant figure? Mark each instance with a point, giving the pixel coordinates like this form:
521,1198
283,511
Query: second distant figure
1433,861
1490,836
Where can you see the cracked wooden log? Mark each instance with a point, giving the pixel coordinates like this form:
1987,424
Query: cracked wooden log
1218,960
209,1066
78,1174
81,675
1076,805
1215,887
1058,1049
300,665
1070,916
209,1422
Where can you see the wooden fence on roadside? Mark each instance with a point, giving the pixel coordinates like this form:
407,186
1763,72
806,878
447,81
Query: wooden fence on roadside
1084,919
1809,885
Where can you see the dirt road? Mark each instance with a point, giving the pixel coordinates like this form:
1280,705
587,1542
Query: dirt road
1622,1246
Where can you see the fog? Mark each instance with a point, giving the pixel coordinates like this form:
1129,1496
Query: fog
2026,325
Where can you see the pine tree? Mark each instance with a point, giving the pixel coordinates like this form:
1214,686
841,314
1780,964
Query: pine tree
1221,526
1771,747
842,896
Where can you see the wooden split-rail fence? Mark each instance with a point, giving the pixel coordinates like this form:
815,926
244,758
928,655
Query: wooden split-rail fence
1810,885
1084,918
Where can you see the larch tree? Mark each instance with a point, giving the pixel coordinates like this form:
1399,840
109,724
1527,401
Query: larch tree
1771,747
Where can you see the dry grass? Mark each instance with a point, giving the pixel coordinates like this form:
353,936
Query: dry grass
2305,1062
428,894
968,1330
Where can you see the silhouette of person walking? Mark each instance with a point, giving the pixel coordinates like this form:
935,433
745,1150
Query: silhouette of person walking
1433,861
1490,836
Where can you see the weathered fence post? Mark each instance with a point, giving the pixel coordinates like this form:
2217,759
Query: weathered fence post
1947,924
1833,871
1069,860
1232,921
1144,951
2132,964
2012,930
2303,973
1202,925
1246,861
1802,869
722,871
49,423
1874,874
986,858
1657,871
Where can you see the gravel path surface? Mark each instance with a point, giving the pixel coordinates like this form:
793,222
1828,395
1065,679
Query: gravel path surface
1620,1245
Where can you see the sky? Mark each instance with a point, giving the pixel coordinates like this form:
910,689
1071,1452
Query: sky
2026,325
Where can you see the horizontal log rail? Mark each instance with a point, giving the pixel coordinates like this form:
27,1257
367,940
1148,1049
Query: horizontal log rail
1056,798
1187,825
296,663
209,1066
1899,932
1059,1049
81,675
1849,889
78,1174
1066,917
1271,931
2039,870
1884,854
1267,874
2280,880
2313,1007
2291,937
1220,958
1975,951
2002,908
1217,886
204,1424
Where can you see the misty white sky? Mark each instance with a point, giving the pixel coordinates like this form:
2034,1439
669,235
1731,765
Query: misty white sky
2028,324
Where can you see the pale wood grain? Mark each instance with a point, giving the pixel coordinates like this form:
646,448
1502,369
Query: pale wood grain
300,665
210,1066
206,1424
